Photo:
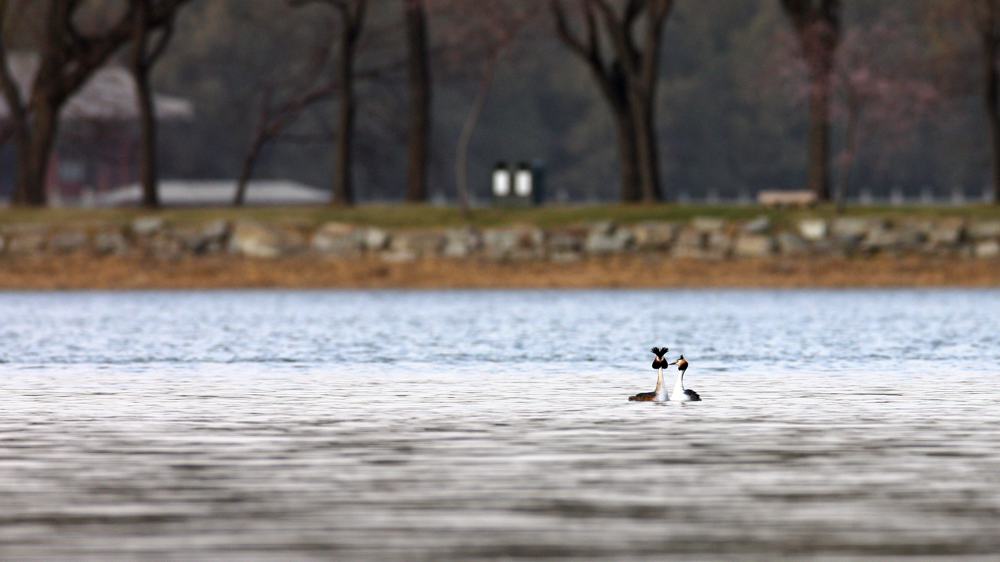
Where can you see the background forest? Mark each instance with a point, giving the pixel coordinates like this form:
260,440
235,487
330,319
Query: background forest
907,114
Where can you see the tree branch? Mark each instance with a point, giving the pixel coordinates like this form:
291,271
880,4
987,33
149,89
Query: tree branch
620,38
11,91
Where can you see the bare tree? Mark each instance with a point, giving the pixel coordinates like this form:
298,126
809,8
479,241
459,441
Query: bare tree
479,36
817,26
272,121
420,100
623,58
69,56
288,95
489,68
145,53
351,14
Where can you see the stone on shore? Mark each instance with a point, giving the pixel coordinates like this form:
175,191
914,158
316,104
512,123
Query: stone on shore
882,238
565,245
813,229
607,238
690,243
338,240
759,225
411,246
68,241
29,239
791,244
514,243
754,246
213,236
947,233
421,243
206,239
654,236
461,243
147,226
850,228
987,249
375,239
166,246
708,224
981,230
256,240
110,242
216,229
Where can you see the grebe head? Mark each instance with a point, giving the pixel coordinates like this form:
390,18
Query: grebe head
659,362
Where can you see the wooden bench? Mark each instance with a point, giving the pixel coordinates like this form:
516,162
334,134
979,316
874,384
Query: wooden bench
786,198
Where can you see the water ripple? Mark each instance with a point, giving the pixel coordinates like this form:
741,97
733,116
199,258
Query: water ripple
463,426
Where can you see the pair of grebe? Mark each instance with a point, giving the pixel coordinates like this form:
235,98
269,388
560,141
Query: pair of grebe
679,394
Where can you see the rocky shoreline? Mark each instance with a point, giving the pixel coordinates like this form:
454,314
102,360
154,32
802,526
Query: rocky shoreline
152,253
711,239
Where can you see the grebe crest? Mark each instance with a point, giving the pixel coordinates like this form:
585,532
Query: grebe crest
659,394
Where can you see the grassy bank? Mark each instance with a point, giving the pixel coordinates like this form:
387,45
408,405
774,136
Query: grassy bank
400,216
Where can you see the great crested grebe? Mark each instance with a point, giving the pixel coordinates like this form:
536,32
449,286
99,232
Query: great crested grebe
681,394
660,393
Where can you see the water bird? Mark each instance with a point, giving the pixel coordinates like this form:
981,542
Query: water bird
660,393
681,394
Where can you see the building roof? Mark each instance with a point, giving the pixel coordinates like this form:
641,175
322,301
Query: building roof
109,95
215,193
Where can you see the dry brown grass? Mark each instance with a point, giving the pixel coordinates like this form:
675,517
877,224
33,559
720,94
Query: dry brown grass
84,272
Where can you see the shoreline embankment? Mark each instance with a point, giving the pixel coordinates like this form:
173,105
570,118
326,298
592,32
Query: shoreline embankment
153,251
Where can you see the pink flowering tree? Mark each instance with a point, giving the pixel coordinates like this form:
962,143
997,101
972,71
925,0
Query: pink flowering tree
876,90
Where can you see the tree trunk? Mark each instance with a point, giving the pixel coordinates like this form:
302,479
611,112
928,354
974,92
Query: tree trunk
22,176
645,148
628,163
994,119
817,25
343,189
22,139
991,96
614,89
643,90
851,136
35,160
246,171
420,101
147,125
144,101
819,135
465,137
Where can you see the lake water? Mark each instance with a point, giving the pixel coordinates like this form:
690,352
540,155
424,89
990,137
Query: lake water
494,425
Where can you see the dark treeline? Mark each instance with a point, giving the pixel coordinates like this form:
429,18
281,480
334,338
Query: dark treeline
634,100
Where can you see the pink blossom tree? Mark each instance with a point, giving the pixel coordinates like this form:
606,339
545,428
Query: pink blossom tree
874,87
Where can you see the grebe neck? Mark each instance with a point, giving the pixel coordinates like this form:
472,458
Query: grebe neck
661,391
679,384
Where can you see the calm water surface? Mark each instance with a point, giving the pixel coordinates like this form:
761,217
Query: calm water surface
494,425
